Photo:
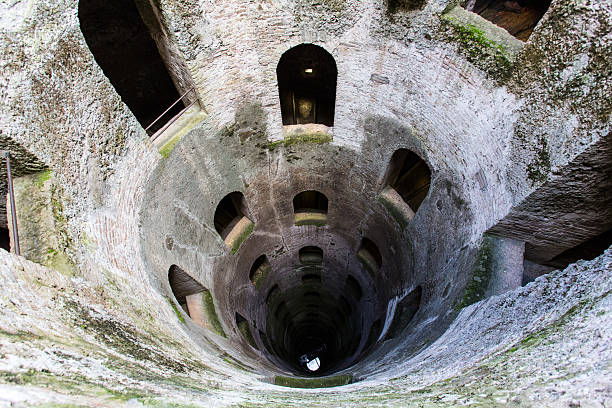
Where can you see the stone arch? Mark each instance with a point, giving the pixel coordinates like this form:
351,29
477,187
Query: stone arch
406,185
123,47
369,256
307,77
195,300
231,220
311,255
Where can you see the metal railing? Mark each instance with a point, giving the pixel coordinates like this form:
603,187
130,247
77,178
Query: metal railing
175,117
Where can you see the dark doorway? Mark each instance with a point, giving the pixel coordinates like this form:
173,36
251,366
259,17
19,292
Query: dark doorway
307,77
518,17
310,201
5,240
123,47
410,176
229,211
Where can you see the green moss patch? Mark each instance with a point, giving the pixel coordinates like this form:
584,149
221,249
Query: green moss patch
484,44
178,314
313,138
242,237
477,287
260,274
245,331
42,178
311,218
321,382
211,313
169,146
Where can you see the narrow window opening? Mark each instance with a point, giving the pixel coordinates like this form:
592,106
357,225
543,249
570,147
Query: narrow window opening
272,293
410,176
353,288
406,184
196,300
310,208
311,278
259,270
518,17
369,256
307,76
123,47
311,255
182,286
5,240
405,310
245,330
232,221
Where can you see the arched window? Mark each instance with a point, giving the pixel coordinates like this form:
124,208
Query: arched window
245,330
259,270
195,299
369,256
232,221
310,208
123,47
311,255
307,77
518,17
353,288
407,183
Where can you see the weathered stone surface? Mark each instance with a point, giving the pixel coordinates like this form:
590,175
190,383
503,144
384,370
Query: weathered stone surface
500,147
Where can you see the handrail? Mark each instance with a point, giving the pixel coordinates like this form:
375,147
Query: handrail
171,121
7,154
171,106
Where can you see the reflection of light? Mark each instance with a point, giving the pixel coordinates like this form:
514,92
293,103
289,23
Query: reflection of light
313,365
308,70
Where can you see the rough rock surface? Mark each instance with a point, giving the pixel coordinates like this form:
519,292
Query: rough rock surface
500,133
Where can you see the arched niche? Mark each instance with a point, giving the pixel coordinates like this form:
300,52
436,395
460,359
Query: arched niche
311,255
259,270
231,220
123,47
369,256
407,183
196,300
310,208
307,76
518,17
245,330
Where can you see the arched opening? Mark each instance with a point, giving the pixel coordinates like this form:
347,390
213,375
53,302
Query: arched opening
5,239
406,184
311,255
231,220
518,17
245,330
307,76
123,47
353,288
310,208
369,256
259,270
196,301
405,309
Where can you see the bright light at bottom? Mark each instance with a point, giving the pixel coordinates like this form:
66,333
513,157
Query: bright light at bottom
308,70
313,365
